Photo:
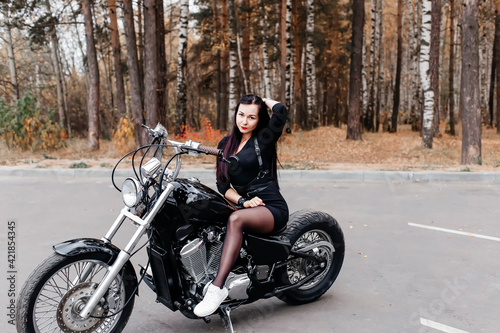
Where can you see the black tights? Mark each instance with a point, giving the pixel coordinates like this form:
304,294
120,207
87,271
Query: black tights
258,219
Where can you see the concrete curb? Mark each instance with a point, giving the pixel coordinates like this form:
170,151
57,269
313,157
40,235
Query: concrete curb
285,175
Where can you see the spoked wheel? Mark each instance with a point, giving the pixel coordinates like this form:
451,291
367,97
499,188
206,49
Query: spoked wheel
58,289
300,268
317,234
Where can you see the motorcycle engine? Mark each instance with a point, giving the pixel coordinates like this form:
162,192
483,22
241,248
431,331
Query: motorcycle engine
201,259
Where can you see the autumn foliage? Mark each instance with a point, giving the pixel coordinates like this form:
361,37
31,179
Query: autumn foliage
23,125
123,135
208,135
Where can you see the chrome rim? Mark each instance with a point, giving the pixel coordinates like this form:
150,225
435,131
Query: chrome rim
300,268
66,292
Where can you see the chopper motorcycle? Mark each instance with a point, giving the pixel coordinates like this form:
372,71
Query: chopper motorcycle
89,285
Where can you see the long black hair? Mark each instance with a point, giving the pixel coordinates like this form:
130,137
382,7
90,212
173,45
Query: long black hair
234,138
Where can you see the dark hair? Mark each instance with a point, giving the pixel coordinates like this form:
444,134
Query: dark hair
234,138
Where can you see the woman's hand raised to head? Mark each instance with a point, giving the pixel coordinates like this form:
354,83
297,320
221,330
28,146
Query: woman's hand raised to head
254,202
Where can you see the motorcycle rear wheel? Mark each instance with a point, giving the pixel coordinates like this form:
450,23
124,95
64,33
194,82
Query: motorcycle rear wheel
54,292
307,228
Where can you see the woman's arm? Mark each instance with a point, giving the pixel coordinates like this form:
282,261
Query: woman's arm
276,123
270,102
233,196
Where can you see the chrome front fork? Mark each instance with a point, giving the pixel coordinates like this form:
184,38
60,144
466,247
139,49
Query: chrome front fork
124,255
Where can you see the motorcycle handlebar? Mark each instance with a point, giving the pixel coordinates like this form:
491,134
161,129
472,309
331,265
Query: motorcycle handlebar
209,150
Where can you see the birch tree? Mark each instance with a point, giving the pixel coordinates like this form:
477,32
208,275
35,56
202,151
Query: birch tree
470,94
297,109
233,61
181,108
10,52
353,119
373,51
265,52
93,87
286,49
428,93
312,119
413,65
134,76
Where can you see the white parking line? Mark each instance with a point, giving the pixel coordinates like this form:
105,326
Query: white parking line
463,233
440,327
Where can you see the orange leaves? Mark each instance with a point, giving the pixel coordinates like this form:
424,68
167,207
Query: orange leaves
123,136
208,135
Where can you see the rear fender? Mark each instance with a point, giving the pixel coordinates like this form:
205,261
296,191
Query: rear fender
78,246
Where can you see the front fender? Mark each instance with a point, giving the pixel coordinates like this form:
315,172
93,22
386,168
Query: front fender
78,246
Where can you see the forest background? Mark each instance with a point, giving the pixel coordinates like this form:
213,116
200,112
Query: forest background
377,84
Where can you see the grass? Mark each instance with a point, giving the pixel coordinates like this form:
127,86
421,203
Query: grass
322,148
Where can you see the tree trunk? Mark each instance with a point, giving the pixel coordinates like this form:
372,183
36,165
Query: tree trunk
93,88
373,51
233,62
353,121
134,76
434,60
312,116
497,58
218,46
12,60
224,60
297,94
285,50
395,106
117,63
57,70
140,37
245,42
380,76
161,62
451,78
469,94
242,65
428,113
181,108
289,52
150,64
414,86
265,52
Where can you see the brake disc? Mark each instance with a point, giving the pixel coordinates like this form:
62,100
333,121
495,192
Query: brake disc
72,303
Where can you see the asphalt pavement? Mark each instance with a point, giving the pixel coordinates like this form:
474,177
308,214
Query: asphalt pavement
421,248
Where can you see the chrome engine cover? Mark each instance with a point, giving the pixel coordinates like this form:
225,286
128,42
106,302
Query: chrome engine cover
237,285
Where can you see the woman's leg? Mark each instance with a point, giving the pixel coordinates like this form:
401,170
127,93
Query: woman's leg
258,219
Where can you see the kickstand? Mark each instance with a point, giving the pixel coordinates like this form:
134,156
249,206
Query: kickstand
225,316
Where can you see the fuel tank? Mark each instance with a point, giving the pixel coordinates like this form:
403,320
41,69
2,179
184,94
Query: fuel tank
199,203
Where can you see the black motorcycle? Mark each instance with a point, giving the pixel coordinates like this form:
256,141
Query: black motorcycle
89,285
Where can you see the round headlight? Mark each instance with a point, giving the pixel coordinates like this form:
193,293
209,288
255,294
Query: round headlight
131,192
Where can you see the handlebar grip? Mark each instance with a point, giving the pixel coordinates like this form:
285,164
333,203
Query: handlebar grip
211,151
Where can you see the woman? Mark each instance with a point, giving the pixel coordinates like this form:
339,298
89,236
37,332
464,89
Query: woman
253,185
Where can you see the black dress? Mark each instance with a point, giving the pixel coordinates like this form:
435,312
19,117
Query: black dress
244,179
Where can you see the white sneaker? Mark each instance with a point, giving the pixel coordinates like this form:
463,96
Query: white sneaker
213,298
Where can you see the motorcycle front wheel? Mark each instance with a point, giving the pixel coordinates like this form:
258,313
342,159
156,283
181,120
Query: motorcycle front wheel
58,289
321,233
